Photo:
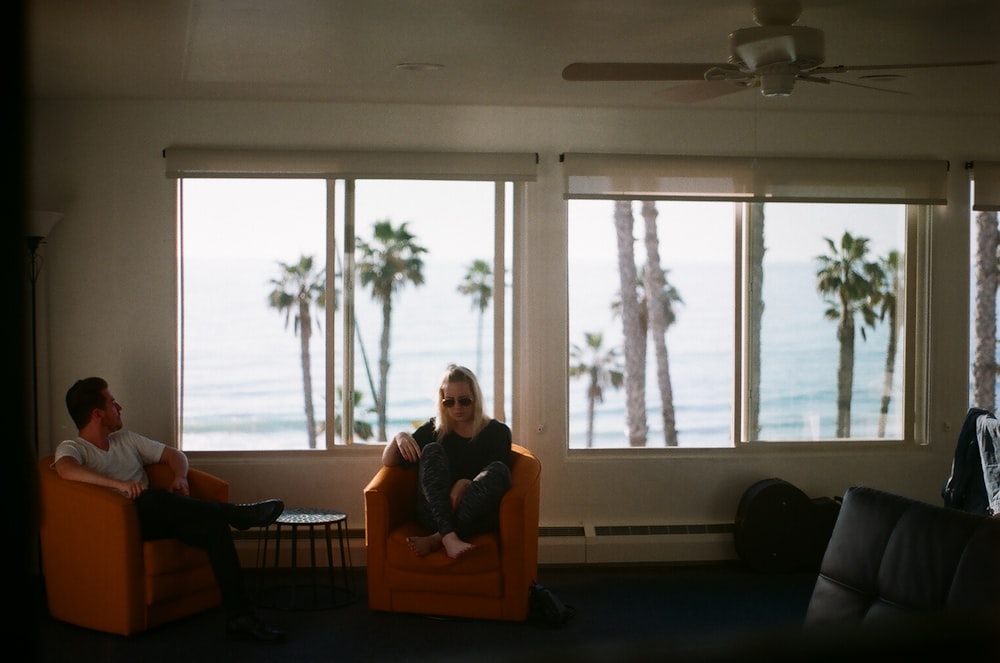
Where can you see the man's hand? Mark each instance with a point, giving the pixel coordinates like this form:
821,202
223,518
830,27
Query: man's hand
131,489
180,486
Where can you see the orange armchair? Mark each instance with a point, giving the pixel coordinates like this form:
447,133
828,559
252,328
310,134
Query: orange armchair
491,581
98,571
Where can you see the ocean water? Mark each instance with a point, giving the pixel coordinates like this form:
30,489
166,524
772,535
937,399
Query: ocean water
243,380
799,357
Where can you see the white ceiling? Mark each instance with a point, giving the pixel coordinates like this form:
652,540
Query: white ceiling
494,52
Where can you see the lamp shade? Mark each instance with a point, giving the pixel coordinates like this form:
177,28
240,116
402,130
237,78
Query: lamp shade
40,223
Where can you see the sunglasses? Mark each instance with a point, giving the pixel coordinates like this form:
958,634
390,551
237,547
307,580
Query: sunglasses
464,401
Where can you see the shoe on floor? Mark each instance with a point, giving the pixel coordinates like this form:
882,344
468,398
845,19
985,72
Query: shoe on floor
257,514
250,627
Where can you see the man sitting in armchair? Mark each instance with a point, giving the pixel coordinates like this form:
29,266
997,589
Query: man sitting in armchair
106,455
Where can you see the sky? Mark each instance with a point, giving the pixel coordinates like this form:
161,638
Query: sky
277,219
793,231
287,214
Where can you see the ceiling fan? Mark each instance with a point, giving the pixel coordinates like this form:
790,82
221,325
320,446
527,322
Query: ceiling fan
772,55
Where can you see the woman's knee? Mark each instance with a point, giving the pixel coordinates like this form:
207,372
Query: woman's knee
497,472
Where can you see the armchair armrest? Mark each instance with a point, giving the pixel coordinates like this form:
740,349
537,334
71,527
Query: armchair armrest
203,485
519,510
390,499
91,545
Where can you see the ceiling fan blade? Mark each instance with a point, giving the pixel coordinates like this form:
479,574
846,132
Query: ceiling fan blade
690,93
823,79
640,71
839,69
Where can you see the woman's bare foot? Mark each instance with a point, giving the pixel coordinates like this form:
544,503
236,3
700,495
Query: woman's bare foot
424,545
454,545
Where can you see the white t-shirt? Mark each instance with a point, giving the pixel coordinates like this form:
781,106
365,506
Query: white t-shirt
124,460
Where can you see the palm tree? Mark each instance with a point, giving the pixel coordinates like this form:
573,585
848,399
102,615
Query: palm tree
603,368
295,291
478,284
387,264
654,281
887,294
846,280
984,363
634,333
755,304
362,429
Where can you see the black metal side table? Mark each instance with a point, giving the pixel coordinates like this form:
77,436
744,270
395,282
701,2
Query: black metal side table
315,594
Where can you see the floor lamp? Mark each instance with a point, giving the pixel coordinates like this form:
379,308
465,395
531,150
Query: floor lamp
40,224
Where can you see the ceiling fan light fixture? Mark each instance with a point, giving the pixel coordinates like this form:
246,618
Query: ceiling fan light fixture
777,85
760,46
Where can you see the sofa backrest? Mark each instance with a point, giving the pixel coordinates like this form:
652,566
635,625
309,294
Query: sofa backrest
890,557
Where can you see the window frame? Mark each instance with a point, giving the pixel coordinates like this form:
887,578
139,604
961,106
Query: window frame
919,185
503,169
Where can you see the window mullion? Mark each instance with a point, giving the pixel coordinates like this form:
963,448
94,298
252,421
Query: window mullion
347,278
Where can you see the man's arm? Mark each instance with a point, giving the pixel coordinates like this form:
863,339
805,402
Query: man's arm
69,468
178,463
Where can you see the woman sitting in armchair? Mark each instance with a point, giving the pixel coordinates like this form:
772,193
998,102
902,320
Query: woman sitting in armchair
463,459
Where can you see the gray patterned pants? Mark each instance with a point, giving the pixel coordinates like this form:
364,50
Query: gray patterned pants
479,510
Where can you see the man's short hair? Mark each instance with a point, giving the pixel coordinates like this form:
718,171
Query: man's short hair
83,398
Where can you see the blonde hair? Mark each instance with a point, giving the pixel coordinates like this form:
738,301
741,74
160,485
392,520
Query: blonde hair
442,423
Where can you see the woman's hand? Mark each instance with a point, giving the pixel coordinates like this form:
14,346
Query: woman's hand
458,492
408,448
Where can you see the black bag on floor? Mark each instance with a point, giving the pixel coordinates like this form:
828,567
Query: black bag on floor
547,609
779,528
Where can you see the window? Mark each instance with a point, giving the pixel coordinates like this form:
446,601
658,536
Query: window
241,370
262,260
781,321
984,236
687,376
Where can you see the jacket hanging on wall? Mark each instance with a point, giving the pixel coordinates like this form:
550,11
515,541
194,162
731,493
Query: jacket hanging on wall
974,483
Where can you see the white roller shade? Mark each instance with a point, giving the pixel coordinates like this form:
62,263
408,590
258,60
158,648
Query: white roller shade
220,162
661,177
986,178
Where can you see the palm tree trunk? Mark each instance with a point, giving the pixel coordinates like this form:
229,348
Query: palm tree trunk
635,339
592,394
890,372
479,343
984,364
654,286
305,334
890,352
845,376
383,365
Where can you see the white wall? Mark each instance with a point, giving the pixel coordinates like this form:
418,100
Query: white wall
108,301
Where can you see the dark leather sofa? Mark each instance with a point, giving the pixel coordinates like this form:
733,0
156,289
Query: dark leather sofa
903,575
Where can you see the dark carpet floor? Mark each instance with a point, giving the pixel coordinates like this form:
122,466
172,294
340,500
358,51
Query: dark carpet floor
689,612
